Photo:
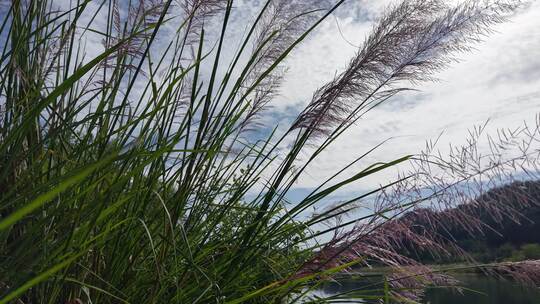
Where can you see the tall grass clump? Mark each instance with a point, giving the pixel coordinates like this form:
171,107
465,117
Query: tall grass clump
127,170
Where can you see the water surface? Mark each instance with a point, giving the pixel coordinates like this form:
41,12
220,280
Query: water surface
484,290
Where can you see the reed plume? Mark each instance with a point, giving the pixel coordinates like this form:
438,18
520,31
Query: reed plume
281,24
411,42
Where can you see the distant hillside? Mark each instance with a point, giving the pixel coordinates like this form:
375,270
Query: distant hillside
512,217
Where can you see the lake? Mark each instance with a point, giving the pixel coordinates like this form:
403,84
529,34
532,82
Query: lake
487,290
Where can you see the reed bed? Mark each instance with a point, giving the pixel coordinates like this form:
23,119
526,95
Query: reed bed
127,170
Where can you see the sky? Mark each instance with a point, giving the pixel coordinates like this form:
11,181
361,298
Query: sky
499,81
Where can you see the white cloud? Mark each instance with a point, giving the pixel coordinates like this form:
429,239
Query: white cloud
499,81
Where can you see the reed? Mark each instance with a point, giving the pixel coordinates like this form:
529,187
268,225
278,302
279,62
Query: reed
125,172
